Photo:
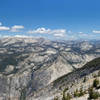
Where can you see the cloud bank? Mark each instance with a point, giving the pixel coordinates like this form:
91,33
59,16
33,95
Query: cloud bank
55,32
4,28
95,31
16,28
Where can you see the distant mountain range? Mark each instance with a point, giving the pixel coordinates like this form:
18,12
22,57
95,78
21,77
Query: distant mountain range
35,68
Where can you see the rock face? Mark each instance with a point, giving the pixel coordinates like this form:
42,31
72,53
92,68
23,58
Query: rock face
30,64
81,78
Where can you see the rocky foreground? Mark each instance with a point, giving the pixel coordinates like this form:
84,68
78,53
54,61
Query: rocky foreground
28,66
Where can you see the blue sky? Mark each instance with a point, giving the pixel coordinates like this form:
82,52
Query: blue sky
67,19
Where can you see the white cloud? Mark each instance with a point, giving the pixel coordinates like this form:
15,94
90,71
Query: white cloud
16,28
4,28
21,36
80,32
95,31
40,30
58,31
59,35
0,23
55,32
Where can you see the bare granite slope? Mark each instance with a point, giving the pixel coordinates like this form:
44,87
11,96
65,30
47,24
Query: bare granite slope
31,64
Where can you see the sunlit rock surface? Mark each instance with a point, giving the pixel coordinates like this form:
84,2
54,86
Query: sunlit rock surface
31,64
